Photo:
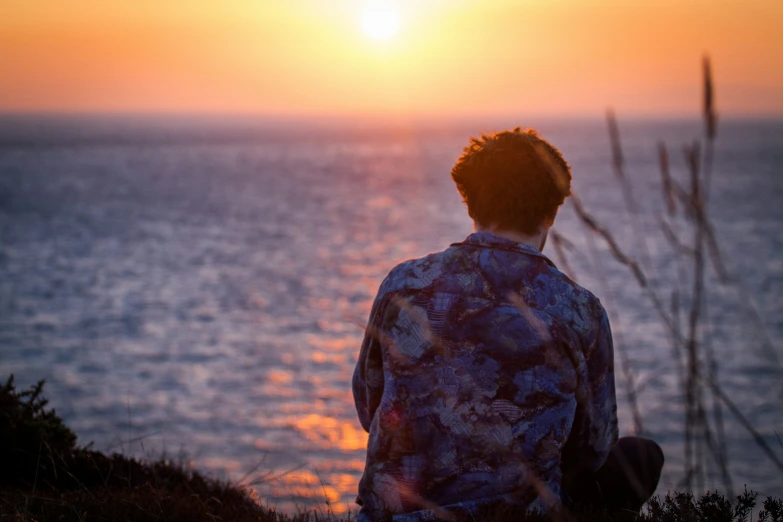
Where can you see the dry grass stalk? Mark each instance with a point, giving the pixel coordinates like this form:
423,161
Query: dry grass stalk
693,395
666,179
703,438
618,164
560,245
619,343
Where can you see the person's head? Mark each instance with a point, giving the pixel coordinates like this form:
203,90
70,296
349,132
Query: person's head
512,180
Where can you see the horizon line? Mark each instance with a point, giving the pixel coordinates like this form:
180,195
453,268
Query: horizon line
391,118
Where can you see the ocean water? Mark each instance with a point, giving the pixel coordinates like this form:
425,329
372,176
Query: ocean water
199,287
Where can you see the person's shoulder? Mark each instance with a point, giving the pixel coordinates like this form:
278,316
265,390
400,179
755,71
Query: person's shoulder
415,273
584,301
589,298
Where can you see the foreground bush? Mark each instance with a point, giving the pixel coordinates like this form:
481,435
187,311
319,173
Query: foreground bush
45,476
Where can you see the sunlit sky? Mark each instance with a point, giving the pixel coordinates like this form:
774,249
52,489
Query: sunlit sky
346,57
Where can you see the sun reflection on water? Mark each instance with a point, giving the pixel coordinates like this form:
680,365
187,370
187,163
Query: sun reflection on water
309,489
328,432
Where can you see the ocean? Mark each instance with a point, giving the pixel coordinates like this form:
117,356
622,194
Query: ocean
198,287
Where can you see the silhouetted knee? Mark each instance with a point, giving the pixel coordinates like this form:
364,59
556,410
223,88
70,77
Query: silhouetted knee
631,473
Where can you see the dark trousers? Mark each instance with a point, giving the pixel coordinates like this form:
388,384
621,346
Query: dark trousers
627,479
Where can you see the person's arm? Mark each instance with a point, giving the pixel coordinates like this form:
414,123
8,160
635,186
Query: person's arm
595,426
368,375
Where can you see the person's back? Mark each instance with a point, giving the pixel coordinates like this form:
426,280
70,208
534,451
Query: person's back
484,355
486,374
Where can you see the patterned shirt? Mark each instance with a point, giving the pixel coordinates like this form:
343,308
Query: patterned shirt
485,374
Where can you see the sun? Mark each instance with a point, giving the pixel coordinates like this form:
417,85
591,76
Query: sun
380,20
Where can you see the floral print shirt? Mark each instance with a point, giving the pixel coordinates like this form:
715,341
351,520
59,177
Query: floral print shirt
485,374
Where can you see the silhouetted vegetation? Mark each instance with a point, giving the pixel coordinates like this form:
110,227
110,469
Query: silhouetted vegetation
44,475
694,250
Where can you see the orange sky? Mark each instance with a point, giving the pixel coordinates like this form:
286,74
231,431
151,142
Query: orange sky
450,57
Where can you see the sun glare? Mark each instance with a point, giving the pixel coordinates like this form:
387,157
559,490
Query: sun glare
380,20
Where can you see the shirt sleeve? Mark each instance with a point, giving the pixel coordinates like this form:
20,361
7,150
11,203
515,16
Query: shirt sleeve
368,375
594,431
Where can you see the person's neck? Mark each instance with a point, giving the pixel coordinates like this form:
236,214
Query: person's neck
537,241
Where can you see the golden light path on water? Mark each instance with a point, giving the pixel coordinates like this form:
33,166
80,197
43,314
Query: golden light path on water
322,431
316,429
314,418
326,429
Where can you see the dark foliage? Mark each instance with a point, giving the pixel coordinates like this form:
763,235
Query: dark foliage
773,511
45,476
26,430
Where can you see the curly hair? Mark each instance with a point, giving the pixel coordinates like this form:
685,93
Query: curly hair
512,179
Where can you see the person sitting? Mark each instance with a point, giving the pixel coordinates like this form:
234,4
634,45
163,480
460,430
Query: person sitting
486,375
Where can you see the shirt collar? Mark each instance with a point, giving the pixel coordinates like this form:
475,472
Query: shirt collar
488,240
